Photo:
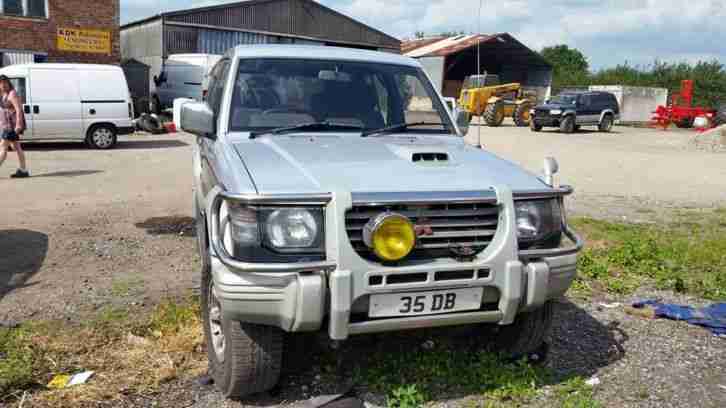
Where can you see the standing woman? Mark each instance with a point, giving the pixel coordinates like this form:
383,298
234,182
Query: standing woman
12,125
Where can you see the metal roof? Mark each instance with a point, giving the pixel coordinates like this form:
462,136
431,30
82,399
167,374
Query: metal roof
306,18
502,43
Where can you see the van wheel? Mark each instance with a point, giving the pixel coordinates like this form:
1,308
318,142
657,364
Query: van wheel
527,334
102,137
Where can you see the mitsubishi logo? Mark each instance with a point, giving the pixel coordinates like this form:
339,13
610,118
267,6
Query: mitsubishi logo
423,228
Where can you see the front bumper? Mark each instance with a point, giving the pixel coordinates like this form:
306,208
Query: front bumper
547,121
306,297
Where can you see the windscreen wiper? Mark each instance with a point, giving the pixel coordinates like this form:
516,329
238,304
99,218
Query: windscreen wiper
325,125
399,128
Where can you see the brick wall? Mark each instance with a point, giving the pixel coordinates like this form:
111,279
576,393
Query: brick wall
39,35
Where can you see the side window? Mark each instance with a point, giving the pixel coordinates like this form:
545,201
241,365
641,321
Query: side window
586,101
216,85
19,85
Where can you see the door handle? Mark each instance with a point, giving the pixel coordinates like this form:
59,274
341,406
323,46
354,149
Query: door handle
26,109
36,109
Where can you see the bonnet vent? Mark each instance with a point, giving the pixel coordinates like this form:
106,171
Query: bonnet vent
430,157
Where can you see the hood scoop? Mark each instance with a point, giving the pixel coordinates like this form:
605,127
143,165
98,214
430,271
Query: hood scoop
430,158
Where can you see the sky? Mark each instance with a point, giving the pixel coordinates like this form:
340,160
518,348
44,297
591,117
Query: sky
608,32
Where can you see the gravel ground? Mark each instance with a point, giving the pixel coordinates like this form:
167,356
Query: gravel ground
98,228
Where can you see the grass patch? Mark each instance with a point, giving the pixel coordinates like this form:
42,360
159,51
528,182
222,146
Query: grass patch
129,354
127,286
688,255
410,377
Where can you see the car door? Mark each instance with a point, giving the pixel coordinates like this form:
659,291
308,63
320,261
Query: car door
585,110
56,104
207,157
20,83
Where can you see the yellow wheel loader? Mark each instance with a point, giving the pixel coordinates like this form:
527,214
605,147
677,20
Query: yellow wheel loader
482,95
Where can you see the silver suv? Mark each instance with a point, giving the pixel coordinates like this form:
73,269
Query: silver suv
334,191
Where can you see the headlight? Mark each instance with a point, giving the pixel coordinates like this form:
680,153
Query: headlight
539,222
556,112
260,232
293,228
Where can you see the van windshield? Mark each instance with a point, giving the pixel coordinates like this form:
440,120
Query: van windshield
277,93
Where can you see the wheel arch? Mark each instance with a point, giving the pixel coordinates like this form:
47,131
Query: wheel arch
94,125
607,112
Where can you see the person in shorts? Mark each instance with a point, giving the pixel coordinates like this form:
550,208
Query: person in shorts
12,125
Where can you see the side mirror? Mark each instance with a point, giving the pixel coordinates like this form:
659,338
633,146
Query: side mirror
196,118
463,118
551,167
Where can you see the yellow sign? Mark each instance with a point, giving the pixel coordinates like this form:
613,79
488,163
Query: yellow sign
82,40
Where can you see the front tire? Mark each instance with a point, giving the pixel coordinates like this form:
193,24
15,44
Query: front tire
494,114
535,127
567,125
244,359
527,334
102,137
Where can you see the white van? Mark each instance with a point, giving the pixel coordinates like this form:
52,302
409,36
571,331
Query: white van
82,102
183,76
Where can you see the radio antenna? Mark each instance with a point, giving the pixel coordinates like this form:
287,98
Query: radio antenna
478,65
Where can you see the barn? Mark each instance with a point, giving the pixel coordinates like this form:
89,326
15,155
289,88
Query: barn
215,29
449,60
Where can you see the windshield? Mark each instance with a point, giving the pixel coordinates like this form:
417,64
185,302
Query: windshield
281,93
564,99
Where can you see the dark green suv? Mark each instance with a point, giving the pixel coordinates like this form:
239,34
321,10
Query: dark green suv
571,110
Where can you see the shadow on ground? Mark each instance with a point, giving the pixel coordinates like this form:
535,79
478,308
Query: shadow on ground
22,254
172,225
70,173
138,144
579,347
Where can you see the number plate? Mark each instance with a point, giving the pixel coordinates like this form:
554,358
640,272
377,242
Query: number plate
425,303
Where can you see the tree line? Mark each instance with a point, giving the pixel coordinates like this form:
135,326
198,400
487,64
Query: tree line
572,70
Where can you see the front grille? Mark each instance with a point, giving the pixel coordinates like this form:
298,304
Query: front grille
542,112
455,229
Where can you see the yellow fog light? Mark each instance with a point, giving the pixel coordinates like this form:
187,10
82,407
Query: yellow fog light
391,236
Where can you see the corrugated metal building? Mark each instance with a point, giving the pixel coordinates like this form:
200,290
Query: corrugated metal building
449,60
213,30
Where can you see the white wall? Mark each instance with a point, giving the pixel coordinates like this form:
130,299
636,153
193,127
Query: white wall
637,104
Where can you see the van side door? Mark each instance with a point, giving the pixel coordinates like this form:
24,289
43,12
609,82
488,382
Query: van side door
56,107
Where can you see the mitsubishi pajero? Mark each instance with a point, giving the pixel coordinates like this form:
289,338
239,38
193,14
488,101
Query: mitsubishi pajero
334,192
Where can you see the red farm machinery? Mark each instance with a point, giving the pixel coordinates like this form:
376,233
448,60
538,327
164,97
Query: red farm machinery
680,110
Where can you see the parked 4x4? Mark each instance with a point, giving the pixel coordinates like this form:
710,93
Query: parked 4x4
334,190
572,110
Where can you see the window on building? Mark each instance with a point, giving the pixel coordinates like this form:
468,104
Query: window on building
36,8
25,8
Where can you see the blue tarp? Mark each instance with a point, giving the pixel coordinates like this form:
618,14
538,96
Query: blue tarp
712,317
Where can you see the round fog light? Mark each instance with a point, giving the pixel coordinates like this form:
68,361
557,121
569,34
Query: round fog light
391,236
